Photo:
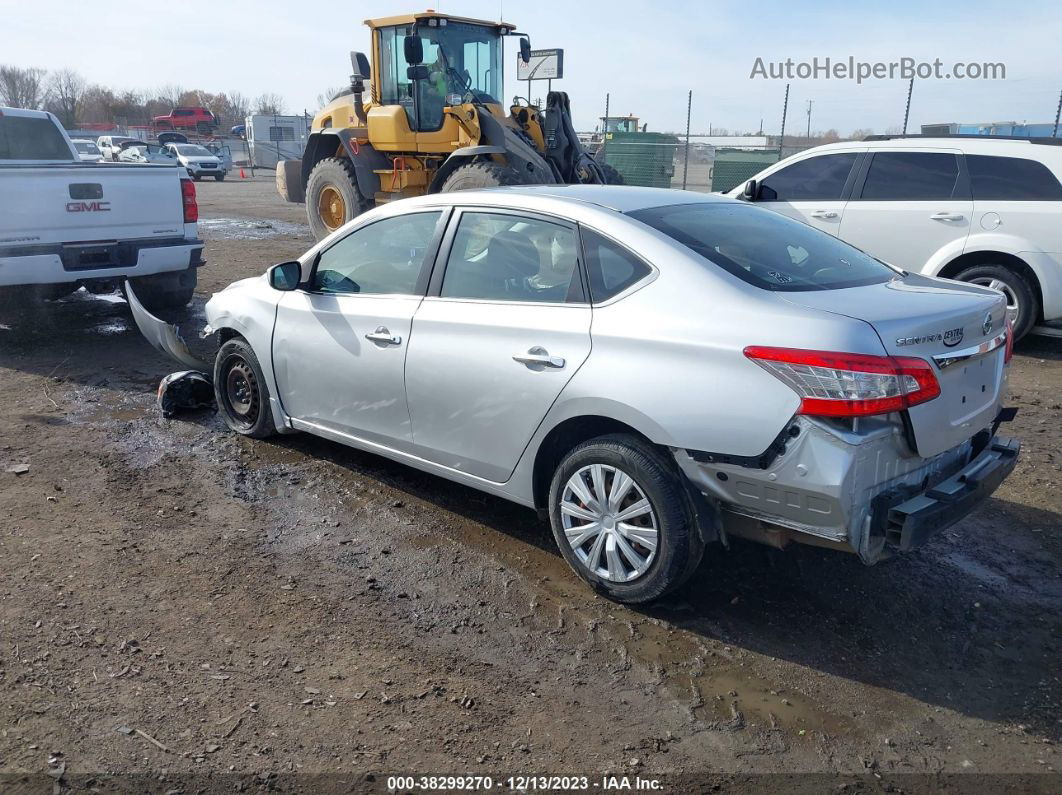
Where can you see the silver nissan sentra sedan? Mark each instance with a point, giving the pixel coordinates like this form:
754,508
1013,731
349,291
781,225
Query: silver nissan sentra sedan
654,370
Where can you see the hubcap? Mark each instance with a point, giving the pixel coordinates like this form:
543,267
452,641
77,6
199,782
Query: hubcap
331,207
609,523
241,389
1013,307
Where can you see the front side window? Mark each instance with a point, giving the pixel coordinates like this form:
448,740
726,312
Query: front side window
912,176
1011,179
502,257
384,258
819,178
766,249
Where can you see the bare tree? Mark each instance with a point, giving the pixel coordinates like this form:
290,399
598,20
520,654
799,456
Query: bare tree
329,94
860,133
22,88
269,103
66,90
237,106
169,95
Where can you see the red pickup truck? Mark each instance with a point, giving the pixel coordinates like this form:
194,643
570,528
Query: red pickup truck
190,118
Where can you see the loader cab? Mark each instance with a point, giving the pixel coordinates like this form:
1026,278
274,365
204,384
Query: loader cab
430,63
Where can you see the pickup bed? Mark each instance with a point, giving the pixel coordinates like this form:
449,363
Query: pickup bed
66,224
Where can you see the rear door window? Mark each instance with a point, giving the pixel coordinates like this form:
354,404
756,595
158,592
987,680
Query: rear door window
31,138
912,176
766,249
1011,179
819,178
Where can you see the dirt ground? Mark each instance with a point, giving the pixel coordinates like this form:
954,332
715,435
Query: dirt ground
185,610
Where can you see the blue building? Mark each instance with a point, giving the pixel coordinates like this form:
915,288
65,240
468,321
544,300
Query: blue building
1009,128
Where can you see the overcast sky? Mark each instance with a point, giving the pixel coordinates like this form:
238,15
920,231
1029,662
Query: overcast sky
646,54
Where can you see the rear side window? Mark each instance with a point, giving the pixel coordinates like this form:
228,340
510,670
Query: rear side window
819,178
1011,179
766,249
610,267
27,138
911,176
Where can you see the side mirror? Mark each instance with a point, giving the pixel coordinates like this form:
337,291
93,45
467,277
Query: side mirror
414,49
525,49
750,191
360,64
285,276
418,72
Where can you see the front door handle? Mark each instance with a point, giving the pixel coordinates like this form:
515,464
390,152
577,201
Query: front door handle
383,335
539,356
947,216
824,214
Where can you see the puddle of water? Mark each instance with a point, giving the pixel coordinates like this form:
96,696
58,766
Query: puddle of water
250,228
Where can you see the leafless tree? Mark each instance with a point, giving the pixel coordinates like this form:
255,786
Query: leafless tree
236,107
861,133
169,94
66,90
22,87
269,103
328,94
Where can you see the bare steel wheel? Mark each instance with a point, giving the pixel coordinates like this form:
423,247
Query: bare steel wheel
240,390
609,523
622,518
332,208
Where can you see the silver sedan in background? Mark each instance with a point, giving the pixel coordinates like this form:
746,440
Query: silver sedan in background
653,370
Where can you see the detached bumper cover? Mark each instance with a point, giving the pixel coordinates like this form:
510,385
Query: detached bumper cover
910,523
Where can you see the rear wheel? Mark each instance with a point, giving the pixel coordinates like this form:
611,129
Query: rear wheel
332,196
241,391
621,518
1022,306
476,176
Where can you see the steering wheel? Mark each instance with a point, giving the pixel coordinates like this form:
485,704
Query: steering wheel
334,282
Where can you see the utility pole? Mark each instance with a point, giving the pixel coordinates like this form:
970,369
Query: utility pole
604,128
907,113
686,165
1058,113
785,109
810,103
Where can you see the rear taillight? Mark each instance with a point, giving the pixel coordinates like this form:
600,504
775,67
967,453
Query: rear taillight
1010,340
849,384
191,209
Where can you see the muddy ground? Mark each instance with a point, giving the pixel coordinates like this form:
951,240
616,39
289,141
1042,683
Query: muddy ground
209,611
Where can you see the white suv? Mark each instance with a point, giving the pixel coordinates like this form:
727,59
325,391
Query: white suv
977,209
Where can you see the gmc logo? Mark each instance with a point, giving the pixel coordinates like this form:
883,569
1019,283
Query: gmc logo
88,207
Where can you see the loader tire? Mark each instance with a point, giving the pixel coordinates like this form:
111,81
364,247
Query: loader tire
332,196
612,177
476,176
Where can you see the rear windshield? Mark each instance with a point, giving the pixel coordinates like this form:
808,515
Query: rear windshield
764,248
31,138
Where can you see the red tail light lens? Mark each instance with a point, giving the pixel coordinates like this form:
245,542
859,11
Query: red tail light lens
191,209
1010,340
849,384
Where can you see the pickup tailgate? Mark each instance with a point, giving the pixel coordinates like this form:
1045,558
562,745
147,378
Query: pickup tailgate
68,203
958,328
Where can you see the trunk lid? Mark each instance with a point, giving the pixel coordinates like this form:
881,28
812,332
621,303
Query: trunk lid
956,327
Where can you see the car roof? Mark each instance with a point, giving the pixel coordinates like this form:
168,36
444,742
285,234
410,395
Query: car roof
621,198
971,144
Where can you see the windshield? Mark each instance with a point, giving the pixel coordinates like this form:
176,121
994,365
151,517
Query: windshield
764,248
87,147
193,149
463,63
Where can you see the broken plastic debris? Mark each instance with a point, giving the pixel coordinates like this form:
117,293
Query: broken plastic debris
187,390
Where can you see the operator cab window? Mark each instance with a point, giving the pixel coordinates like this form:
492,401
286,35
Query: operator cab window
384,258
502,257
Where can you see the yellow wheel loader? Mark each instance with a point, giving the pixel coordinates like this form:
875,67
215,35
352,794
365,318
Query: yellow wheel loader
431,122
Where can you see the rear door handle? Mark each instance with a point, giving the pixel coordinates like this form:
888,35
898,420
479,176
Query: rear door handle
947,216
539,356
383,335
824,214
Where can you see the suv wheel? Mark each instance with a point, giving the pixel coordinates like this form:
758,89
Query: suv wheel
1021,298
241,391
622,520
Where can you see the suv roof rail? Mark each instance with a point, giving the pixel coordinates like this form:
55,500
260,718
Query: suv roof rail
971,136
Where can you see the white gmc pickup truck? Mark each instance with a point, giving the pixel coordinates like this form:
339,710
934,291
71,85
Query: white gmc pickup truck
65,224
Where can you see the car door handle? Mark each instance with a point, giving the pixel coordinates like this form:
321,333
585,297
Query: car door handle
824,214
947,216
383,335
539,356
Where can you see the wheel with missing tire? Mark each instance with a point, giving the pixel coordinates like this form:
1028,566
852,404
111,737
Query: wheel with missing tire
241,391
622,520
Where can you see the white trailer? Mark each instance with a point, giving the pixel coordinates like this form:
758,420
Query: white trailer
271,138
